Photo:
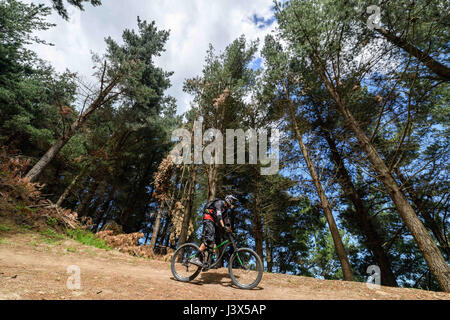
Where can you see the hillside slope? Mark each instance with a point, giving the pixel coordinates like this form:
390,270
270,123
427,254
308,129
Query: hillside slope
33,268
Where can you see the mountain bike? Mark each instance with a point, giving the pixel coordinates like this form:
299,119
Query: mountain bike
244,266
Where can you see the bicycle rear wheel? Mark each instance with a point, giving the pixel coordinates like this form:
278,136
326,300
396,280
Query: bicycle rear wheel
245,268
182,267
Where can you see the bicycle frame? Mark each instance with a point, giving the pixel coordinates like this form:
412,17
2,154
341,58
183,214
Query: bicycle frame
225,243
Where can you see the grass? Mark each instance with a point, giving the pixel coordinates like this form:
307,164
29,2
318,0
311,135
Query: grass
71,249
4,228
50,236
87,238
34,243
51,233
52,221
23,209
90,252
25,227
7,242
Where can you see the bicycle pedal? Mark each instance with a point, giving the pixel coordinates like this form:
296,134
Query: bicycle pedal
196,262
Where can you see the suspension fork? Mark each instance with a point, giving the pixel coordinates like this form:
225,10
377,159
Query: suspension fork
235,248
233,243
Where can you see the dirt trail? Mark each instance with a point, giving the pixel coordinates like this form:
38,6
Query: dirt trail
30,268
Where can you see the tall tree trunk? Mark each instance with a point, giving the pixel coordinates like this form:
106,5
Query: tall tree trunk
269,256
213,168
429,221
433,65
136,192
156,226
98,199
87,199
70,187
146,237
164,238
60,143
104,208
268,246
429,249
169,211
373,240
212,182
168,197
104,218
257,224
339,246
188,209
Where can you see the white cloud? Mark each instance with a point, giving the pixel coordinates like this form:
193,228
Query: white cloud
193,25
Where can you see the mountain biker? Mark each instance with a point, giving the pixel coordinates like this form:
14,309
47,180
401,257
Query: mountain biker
215,219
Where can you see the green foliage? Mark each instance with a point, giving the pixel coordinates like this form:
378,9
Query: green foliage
58,5
71,249
29,89
51,236
4,228
87,238
52,221
23,209
226,71
25,227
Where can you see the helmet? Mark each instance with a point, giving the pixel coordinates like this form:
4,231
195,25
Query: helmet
230,200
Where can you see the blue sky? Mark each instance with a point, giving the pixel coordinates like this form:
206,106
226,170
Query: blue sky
262,22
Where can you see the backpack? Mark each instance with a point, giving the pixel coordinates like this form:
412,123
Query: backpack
209,205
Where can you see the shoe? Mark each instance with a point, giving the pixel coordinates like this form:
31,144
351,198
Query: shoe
196,261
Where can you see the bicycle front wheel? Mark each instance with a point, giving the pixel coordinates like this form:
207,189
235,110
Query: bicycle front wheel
182,267
246,268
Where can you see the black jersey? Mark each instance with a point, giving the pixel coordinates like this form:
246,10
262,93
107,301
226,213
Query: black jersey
219,210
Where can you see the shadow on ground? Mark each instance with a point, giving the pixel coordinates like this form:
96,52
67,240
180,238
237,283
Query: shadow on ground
215,278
